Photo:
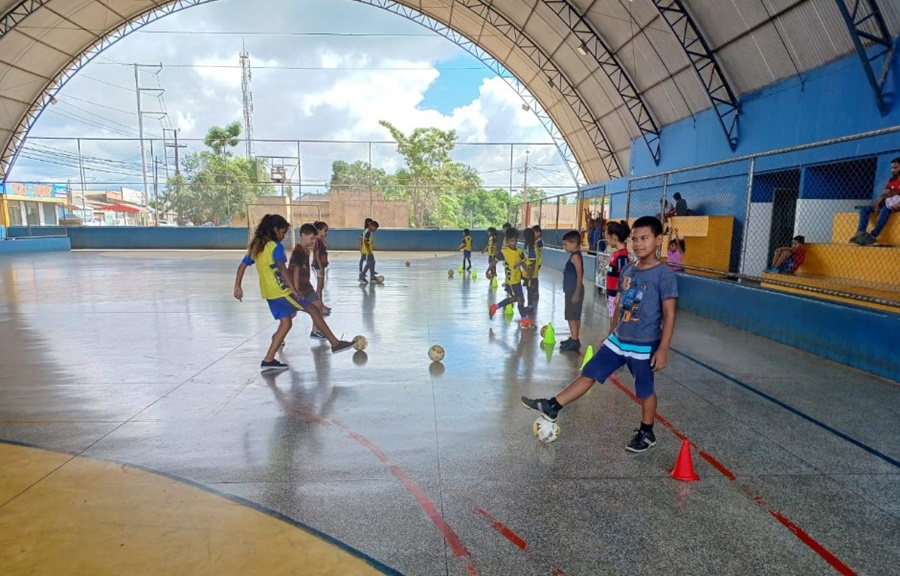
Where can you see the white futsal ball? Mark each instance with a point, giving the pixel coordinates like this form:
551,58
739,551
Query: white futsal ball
449,273
379,279
436,353
545,430
360,343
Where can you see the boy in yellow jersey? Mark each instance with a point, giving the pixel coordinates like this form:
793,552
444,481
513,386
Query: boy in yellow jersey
276,287
466,247
362,251
368,248
491,250
534,288
513,259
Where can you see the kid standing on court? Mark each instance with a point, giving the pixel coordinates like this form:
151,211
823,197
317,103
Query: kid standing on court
362,250
368,246
466,247
513,260
491,250
276,287
299,271
640,334
320,263
617,234
573,289
530,271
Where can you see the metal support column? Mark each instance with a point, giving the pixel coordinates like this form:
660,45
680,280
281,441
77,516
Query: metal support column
866,23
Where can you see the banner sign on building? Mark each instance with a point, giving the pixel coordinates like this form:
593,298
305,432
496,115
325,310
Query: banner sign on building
35,190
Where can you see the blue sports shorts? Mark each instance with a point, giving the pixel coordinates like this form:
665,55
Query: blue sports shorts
287,306
614,354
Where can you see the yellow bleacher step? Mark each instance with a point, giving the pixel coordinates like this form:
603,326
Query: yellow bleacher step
845,225
797,284
878,264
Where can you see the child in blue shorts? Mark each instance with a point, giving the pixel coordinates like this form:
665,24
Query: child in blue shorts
640,334
277,288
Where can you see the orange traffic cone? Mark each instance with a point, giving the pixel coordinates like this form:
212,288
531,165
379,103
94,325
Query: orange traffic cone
684,467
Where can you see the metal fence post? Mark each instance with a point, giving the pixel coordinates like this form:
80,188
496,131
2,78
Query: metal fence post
745,233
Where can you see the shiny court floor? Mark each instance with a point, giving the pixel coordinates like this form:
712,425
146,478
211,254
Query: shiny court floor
142,361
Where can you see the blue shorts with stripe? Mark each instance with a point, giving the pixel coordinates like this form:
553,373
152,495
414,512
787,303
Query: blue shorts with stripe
287,306
614,354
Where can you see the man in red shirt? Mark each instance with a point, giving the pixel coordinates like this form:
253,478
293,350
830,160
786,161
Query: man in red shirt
886,204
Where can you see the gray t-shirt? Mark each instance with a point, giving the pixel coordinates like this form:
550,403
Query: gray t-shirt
641,293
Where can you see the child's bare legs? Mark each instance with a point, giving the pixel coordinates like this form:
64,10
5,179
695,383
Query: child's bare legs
575,329
576,389
284,326
320,324
781,254
648,409
320,288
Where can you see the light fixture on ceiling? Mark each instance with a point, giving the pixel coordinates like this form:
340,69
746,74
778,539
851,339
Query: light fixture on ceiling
53,100
582,49
550,81
526,107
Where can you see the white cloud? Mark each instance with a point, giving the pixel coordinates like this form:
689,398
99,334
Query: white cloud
327,88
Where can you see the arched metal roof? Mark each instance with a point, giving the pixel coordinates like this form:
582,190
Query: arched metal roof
605,71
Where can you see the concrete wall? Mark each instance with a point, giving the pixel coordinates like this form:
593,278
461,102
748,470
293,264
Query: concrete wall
31,245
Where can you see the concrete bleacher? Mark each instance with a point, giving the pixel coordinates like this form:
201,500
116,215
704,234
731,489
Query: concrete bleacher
840,266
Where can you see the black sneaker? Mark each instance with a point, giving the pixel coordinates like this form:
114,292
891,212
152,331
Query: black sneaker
272,366
341,346
541,406
866,240
363,281
570,346
642,441
317,335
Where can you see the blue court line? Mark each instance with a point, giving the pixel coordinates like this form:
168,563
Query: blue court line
791,409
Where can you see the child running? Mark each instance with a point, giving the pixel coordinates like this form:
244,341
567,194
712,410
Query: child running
573,290
616,234
466,248
299,270
640,334
276,286
513,260
320,263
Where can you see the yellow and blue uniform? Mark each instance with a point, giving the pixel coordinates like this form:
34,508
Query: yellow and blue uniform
272,287
539,260
466,246
491,247
368,255
513,260
532,282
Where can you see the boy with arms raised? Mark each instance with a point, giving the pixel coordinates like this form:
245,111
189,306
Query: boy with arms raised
640,334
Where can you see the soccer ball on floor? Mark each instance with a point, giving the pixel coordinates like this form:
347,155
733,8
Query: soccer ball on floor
449,273
379,279
360,343
407,262
436,353
489,275
545,430
543,330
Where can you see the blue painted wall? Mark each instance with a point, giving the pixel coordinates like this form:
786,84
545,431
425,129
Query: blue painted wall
828,102
853,179
843,333
32,245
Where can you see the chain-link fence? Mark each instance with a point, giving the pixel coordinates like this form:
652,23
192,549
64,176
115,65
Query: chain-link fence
818,220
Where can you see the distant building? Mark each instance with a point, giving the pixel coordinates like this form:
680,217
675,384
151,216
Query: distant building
32,203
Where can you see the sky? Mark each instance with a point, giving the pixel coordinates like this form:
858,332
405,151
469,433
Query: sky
323,70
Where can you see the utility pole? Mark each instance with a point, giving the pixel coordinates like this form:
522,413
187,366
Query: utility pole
176,146
156,188
83,191
246,75
140,113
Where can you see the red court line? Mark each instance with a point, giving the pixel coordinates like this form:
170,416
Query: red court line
801,534
503,529
456,545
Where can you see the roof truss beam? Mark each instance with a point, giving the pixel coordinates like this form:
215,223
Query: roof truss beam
866,23
592,44
555,77
705,64
17,13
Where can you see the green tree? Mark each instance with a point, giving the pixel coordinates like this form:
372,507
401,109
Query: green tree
357,177
485,208
215,186
428,171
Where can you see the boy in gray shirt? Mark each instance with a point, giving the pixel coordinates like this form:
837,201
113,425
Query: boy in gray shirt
640,334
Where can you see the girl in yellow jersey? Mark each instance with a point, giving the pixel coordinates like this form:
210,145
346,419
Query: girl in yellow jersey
466,248
276,287
491,250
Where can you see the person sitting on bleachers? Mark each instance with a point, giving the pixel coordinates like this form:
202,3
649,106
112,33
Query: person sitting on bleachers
788,258
886,204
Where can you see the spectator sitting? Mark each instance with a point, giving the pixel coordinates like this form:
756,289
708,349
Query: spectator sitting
887,203
681,207
676,251
788,259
